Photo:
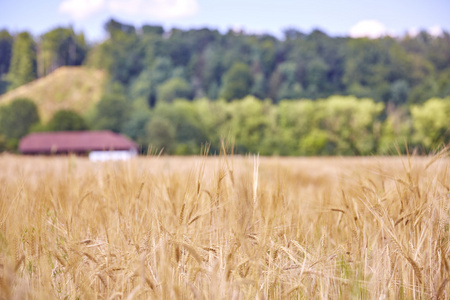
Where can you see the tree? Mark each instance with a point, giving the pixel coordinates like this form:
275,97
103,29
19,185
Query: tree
23,61
17,118
6,42
423,91
268,55
135,126
145,85
212,69
395,133
350,124
113,27
60,47
290,88
399,92
152,30
259,86
237,82
336,125
174,88
249,124
66,120
431,122
189,131
316,77
367,68
113,111
160,133
214,118
443,84
297,119
125,51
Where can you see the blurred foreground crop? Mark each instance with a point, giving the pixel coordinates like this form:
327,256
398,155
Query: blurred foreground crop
225,227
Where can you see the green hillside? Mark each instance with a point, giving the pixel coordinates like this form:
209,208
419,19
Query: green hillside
77,88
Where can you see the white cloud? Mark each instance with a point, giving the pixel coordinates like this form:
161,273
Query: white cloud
369,28
81,9
158,9
435,30
413,31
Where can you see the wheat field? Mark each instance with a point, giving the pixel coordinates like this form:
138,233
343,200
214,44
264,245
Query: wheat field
225,227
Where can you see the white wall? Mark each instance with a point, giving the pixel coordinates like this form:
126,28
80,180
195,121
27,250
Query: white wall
111,155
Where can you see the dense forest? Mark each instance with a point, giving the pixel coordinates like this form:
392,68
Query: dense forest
178,89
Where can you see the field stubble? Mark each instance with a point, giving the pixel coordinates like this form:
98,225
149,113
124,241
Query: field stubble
225,227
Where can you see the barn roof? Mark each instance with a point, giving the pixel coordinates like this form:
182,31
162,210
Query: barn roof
74,141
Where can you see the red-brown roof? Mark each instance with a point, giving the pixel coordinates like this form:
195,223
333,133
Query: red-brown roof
74,141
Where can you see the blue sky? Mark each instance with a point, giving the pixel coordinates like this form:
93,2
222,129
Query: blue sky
347,17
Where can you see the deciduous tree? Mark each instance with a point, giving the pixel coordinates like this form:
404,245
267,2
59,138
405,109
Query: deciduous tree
66,120
17,118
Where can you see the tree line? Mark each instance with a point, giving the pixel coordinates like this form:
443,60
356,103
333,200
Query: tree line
158,65
338,125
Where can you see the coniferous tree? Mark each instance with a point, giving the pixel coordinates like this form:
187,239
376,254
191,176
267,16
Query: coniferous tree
6,42
60,47
23,62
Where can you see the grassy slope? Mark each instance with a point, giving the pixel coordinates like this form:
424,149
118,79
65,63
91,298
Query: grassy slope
77,88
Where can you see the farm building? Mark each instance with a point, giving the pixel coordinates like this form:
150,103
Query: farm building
99,145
